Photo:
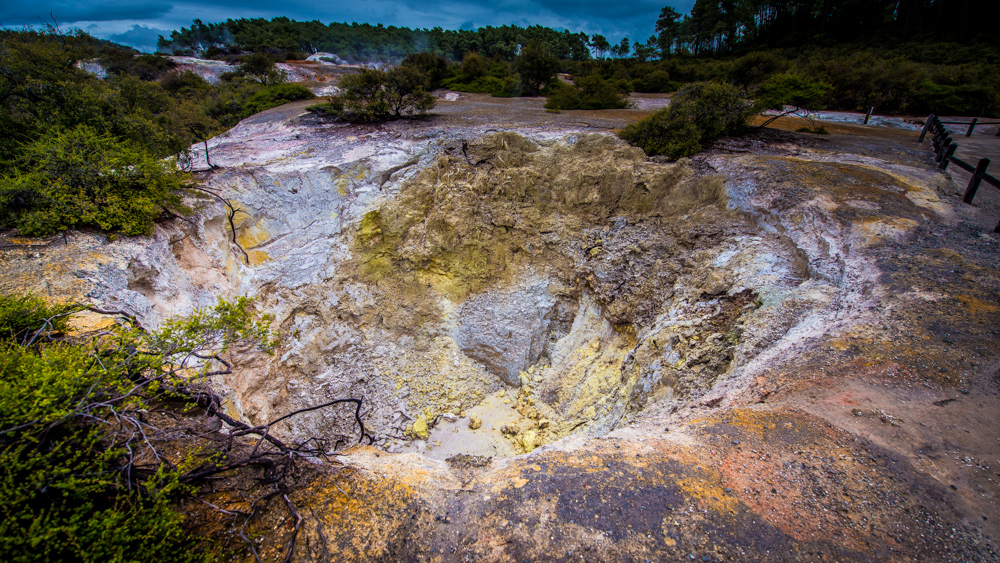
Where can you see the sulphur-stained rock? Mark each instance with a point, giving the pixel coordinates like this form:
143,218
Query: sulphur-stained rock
420,427
506,331
475,423
529,440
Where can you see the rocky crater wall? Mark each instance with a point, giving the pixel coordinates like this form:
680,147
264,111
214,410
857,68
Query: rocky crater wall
438,276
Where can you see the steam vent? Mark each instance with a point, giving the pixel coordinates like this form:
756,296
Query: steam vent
782,349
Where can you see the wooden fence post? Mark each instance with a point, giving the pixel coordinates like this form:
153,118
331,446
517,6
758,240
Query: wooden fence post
941,149
977,178
930,121
947,154
869,115
971,127
939,140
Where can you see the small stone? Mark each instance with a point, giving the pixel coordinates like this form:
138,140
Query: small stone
475,423
529,441
954,488
715,282
420,428
543,423
736,442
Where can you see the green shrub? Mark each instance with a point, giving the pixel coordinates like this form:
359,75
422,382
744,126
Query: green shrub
60,496
657,82
82,178
260,68
274,96
433,67
377,95
184,83
75,483
474,66
698,114
481,75
498,87
537,66
796,90
754,68
590,92
25,314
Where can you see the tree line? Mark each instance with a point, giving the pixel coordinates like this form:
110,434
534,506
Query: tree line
723,26
364,42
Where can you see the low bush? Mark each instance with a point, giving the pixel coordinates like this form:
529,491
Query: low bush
656,82
377,95
589,92
79,483
485,76
274,96
433,67
698,114
82,178
20,315
796,90
498,87
259,68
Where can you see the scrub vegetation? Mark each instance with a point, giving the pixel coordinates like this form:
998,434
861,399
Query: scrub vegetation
81,151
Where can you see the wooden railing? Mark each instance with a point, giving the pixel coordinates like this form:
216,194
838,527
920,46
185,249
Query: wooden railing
944,154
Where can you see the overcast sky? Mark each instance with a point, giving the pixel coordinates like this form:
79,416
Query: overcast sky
138,22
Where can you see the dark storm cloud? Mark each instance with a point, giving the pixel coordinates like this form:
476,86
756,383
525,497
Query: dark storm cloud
602,10
30,13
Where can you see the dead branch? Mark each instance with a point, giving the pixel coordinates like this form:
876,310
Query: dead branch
295,532
230,215
324,551
242,534
357,415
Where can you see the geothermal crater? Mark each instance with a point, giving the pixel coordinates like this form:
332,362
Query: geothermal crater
782,349
490,295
